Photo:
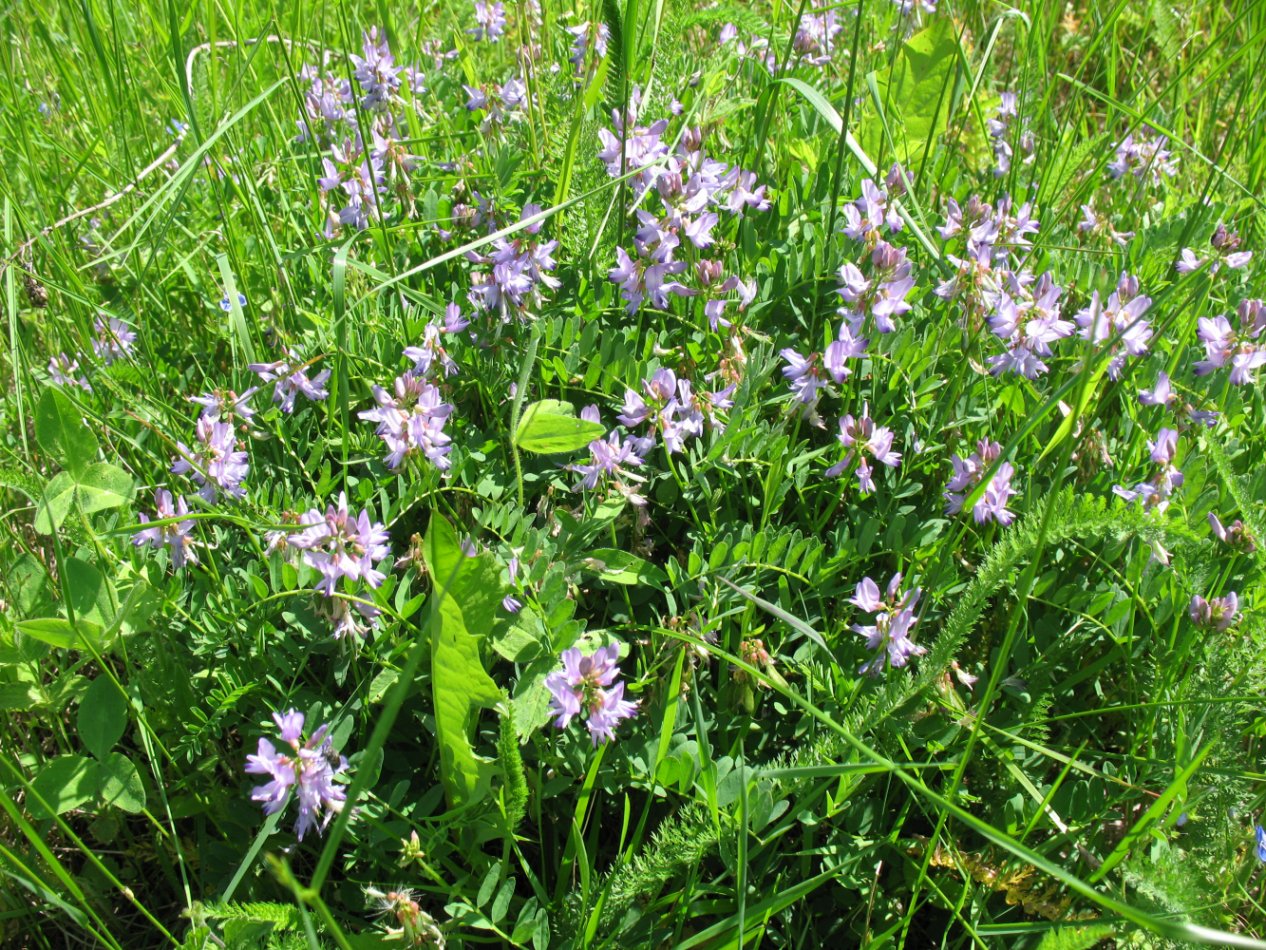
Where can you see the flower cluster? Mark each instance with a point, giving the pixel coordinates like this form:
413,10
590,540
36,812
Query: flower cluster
1026,318
218,463
580,45
862,438
62,371
412,415
1225,253
1236,535
1143,156
893,617
1006,128
1155,492
177,535
693,189
612,456
1224,345
676,411
1216,613
364,173
490,21
969,472
309,768
586,686
519,267
114,339
501,105
291,380
1119,322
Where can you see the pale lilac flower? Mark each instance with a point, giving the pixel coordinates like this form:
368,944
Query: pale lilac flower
1224,345
1119,322
509,602
348,618
377,72
291,380
490,21
1216,613
411,422
863,438
804,375
218,463
613,457
176,535
1162,394
1028,321
816,32
62,370
893,616
308,768
882,295
1006,117
1094,224
580,44
339,545
1156,492
1142,155
114,340
586,686
224,405
968,472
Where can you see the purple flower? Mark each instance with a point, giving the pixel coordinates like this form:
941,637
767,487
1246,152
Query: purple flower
893,616
1235,535
1143,156
490,21
1155,493
114,340
1120,320
62,370
992,504
586,686
1162,394
291,380
1224,345
1028,321
217,464
613,457
411,422
862,438
882,296
226,405
176,535
804,375
309,768
1216,613
377,72
338,546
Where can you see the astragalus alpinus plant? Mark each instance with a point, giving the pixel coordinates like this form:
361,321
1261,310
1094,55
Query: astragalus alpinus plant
619,474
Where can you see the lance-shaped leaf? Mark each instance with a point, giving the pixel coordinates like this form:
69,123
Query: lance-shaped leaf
466,607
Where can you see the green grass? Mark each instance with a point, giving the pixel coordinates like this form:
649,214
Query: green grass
1073,762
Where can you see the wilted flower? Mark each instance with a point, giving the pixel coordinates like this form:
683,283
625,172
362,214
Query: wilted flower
309,768
586,686
1235,535
176,535
893,618
1216,613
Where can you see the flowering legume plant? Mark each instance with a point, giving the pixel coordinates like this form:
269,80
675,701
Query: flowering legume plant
617,474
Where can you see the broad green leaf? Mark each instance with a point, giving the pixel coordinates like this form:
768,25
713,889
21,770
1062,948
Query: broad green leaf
64,783
19,697
102,717
60,430
620,567
59,495
119,784
89,592
551,426
466,607
104,486
59,632
914,93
